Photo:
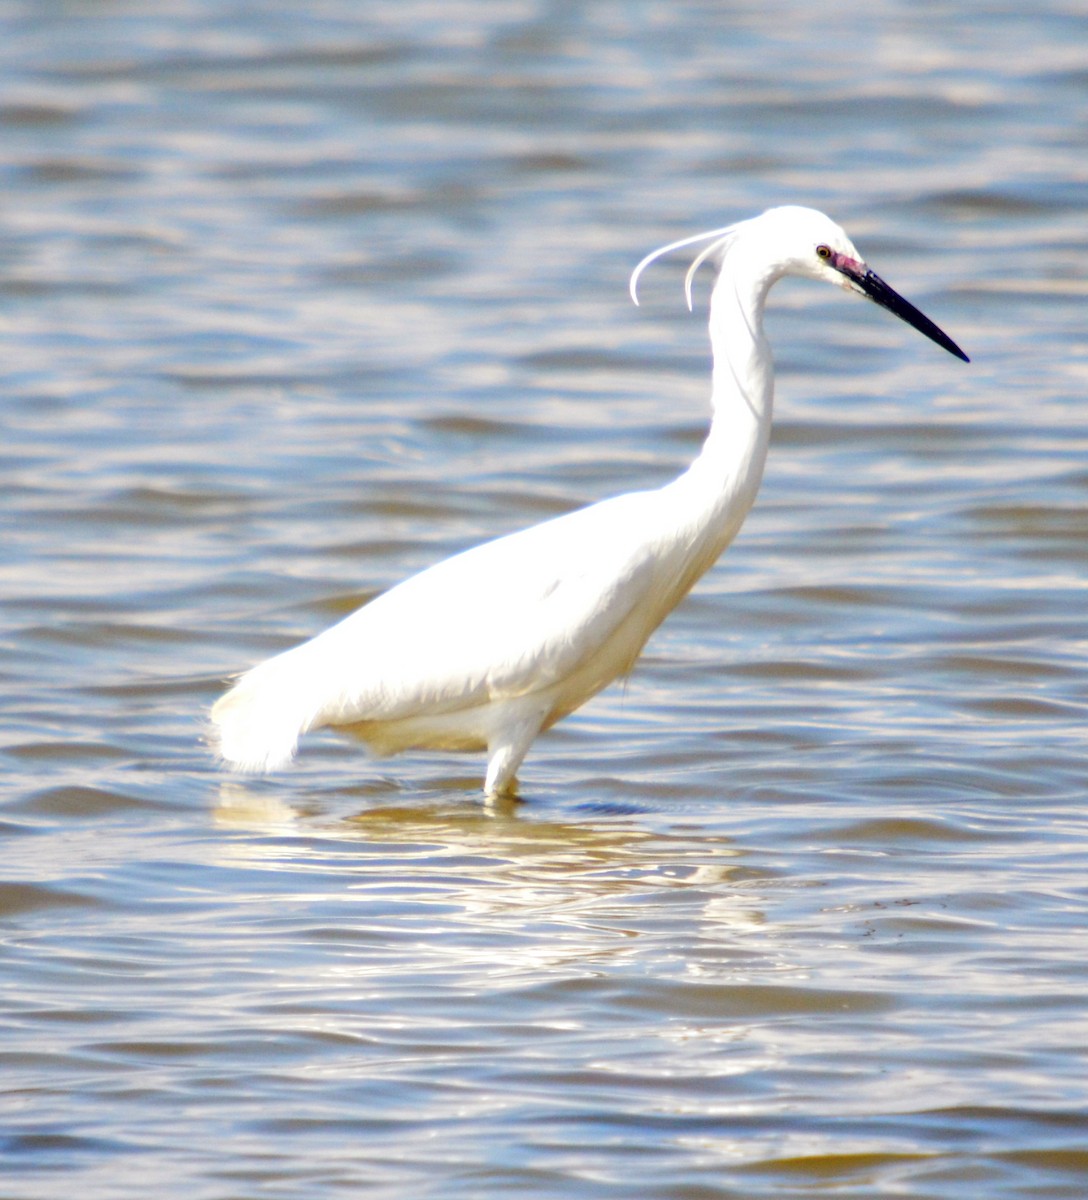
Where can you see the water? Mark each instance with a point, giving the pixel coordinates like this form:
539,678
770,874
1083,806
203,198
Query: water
296,299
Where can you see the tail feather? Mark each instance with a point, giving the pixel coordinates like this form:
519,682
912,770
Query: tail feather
257,724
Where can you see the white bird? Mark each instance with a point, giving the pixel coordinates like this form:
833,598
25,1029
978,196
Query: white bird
487,649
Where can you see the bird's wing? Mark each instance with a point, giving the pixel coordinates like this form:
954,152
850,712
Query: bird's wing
504,619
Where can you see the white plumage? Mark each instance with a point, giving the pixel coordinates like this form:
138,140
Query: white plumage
488,648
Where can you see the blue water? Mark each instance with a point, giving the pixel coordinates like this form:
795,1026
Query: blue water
294,300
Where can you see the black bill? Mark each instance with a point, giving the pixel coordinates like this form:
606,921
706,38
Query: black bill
876,289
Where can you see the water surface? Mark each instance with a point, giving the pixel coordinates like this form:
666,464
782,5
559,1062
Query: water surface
295,303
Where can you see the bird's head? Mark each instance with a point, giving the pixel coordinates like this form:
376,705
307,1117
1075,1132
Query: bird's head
792,240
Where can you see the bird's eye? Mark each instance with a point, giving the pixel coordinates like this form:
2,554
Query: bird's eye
823,251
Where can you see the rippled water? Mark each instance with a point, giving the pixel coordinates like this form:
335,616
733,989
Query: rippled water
296,299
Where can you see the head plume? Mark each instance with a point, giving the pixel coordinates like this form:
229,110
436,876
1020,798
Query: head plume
717,240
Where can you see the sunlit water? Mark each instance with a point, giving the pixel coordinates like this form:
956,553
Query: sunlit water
297,299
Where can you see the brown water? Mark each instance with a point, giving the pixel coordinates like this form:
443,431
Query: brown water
295,300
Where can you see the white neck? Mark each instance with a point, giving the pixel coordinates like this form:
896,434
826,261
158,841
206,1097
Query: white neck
721,484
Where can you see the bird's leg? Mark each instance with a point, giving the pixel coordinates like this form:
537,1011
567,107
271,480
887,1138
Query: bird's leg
502,769
506,750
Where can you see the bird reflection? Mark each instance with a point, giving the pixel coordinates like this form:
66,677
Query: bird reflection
527,900
501,833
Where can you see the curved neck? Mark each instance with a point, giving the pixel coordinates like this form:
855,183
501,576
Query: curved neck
729,468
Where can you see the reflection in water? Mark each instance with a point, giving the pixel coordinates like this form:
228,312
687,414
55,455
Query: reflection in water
622,976
493,868
498,840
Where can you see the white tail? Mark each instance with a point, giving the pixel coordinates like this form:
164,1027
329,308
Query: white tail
257,724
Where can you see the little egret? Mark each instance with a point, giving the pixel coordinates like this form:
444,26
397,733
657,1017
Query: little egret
487,649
